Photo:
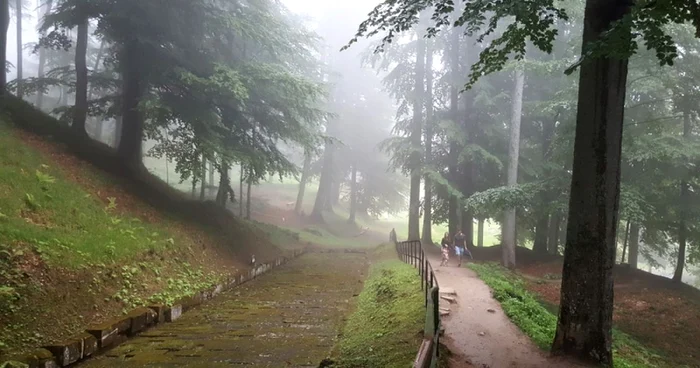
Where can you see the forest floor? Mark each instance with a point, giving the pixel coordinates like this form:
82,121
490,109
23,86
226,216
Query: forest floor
76,248
659,314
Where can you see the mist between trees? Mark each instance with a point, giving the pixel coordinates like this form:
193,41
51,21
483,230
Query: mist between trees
233,92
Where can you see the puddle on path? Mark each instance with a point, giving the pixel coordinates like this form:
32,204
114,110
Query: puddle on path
289,317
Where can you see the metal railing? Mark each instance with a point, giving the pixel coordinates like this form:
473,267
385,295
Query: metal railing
412,253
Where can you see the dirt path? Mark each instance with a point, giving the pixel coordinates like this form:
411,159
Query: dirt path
289,317
477,337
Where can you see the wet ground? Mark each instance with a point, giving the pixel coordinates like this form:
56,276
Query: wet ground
289,317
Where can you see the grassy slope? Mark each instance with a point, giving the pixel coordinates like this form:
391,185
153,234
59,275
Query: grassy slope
75,248
384,330
539,322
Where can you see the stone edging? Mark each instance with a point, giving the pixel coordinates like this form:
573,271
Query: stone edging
99,338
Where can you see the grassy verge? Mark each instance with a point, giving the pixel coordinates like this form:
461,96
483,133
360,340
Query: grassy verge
385,329
539,323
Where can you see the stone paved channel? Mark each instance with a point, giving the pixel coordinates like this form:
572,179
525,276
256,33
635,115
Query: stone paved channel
289,317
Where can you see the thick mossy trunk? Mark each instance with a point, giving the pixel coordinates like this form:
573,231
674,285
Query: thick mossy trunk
202,188
454,59
553,237
584,329
509,225
133,89
302,183
80,109
625,242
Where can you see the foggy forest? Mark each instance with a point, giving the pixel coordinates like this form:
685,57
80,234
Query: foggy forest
307,183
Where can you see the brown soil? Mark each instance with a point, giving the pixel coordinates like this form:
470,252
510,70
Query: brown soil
651,308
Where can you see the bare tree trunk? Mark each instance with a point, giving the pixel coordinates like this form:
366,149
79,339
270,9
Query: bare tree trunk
42,56
202,193
81,87
247,195
633,257
131,142
302,182
624,243
480,233
683,213
553,241
211,177
118,120
428,139
240,192
4,17
353,194
222,196
584,329
416,129
509,239
541,235
99,123
20,83
324,185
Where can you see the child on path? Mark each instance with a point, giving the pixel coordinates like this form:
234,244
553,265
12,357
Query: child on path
445,243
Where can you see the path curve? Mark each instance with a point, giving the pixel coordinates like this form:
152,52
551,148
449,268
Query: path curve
479,338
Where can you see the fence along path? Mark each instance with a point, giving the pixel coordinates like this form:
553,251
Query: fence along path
412,253
287,318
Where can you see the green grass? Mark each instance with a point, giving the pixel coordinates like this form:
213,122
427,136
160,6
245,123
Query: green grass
539,323
384,329
39,208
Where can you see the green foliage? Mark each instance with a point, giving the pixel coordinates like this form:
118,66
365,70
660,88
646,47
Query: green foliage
536,321
58,219
383,330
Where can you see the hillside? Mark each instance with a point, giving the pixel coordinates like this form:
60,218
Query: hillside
79,244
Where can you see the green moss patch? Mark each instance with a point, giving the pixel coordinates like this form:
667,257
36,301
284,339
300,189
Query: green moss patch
540,324
386,328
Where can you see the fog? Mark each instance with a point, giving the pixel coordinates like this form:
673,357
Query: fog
360,158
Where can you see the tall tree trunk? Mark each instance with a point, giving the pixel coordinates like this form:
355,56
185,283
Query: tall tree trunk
683,213
133,89
455,86
211,176
584,328
302,182
99,122
116,138
541,235
46,10
509,240
480,233
353,194
416,129
222,195
247,195
81,87
20,82
624,244
333,198
240,190
428,139
553,241
4,17
325,182
202,193
467,227
633,257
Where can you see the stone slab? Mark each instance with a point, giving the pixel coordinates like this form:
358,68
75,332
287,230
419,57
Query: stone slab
67,352
173,313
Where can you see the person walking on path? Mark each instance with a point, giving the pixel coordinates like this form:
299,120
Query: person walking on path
460,245
445,245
